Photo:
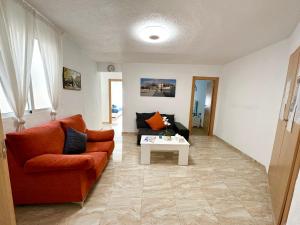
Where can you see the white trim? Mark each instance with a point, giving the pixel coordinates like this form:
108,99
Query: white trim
27,112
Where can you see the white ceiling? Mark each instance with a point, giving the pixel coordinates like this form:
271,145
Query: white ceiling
209,31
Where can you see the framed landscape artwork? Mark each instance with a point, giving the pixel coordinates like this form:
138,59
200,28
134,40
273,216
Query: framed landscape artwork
71,79
158,87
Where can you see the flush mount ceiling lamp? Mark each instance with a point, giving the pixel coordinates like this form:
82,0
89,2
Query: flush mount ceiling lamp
154,34
155,30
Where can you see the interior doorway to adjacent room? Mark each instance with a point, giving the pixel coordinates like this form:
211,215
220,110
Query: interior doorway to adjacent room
115,103
203,105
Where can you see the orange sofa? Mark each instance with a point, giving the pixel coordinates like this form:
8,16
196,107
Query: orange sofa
40,173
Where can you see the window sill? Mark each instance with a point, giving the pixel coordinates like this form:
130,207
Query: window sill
27,113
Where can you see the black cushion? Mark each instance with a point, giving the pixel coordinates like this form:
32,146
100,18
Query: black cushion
140,119
75,142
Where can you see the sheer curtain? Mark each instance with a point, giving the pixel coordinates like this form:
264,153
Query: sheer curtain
16,46
51,50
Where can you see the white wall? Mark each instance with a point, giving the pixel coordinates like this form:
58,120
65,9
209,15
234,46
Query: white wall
86,101
72,102
180,105
250,93
105,76
250,96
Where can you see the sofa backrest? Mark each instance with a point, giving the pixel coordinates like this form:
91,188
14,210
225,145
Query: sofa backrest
76,122
44,139
141,117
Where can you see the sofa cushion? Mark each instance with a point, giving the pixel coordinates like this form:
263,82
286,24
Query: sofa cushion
45,139
145,131
76,122
141,119
156,122
100,135
75,142
106,146
99,161
54,162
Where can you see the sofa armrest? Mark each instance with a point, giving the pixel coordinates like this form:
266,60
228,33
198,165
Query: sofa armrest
58,162
182,130
100,135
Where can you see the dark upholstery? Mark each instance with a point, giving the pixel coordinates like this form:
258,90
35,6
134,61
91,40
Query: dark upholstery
75,141
182,130
144,129
140,119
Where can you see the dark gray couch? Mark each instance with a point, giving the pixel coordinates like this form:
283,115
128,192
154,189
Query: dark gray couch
144,129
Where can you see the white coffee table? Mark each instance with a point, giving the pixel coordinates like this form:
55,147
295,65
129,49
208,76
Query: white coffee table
162,145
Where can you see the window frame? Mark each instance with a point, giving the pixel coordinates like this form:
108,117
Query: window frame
30,101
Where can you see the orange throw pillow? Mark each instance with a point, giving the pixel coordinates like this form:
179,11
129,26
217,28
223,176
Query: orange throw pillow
156,122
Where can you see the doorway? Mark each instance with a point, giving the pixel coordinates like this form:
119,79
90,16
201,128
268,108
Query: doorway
116,103
203,105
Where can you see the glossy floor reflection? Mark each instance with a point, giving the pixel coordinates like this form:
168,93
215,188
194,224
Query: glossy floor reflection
221,186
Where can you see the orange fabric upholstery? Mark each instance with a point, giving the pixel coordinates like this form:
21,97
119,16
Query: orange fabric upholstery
76,122
99,161
156,122
100,135
32,142
107,146
52,162
40,173
48,187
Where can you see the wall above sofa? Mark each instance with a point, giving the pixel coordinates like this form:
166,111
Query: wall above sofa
180,105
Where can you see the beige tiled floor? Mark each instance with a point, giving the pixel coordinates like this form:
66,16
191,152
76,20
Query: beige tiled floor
219,187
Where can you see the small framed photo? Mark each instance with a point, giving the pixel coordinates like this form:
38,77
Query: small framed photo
71,79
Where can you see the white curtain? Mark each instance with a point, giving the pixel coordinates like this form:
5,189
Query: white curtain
16,46
50,42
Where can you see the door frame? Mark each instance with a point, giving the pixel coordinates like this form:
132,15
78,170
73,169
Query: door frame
7,212
215,85
109,98
290,193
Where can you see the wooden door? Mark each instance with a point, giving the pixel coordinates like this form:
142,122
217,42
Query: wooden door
207,110
215,84
285,149
291,189
7,214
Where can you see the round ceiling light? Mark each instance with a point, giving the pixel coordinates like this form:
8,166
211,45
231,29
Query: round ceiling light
154,34
155,29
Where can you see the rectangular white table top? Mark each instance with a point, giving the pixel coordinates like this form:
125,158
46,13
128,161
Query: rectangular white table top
162,141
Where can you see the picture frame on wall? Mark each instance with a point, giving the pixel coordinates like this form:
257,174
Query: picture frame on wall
158,87
71,79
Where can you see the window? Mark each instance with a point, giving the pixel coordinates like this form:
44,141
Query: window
38,96
4,106
38,80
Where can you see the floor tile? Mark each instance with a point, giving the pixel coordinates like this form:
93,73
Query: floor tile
221,186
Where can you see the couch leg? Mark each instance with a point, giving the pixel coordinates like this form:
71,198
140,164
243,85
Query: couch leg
80,203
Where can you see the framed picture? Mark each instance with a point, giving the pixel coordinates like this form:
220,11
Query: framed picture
158,87
71,79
